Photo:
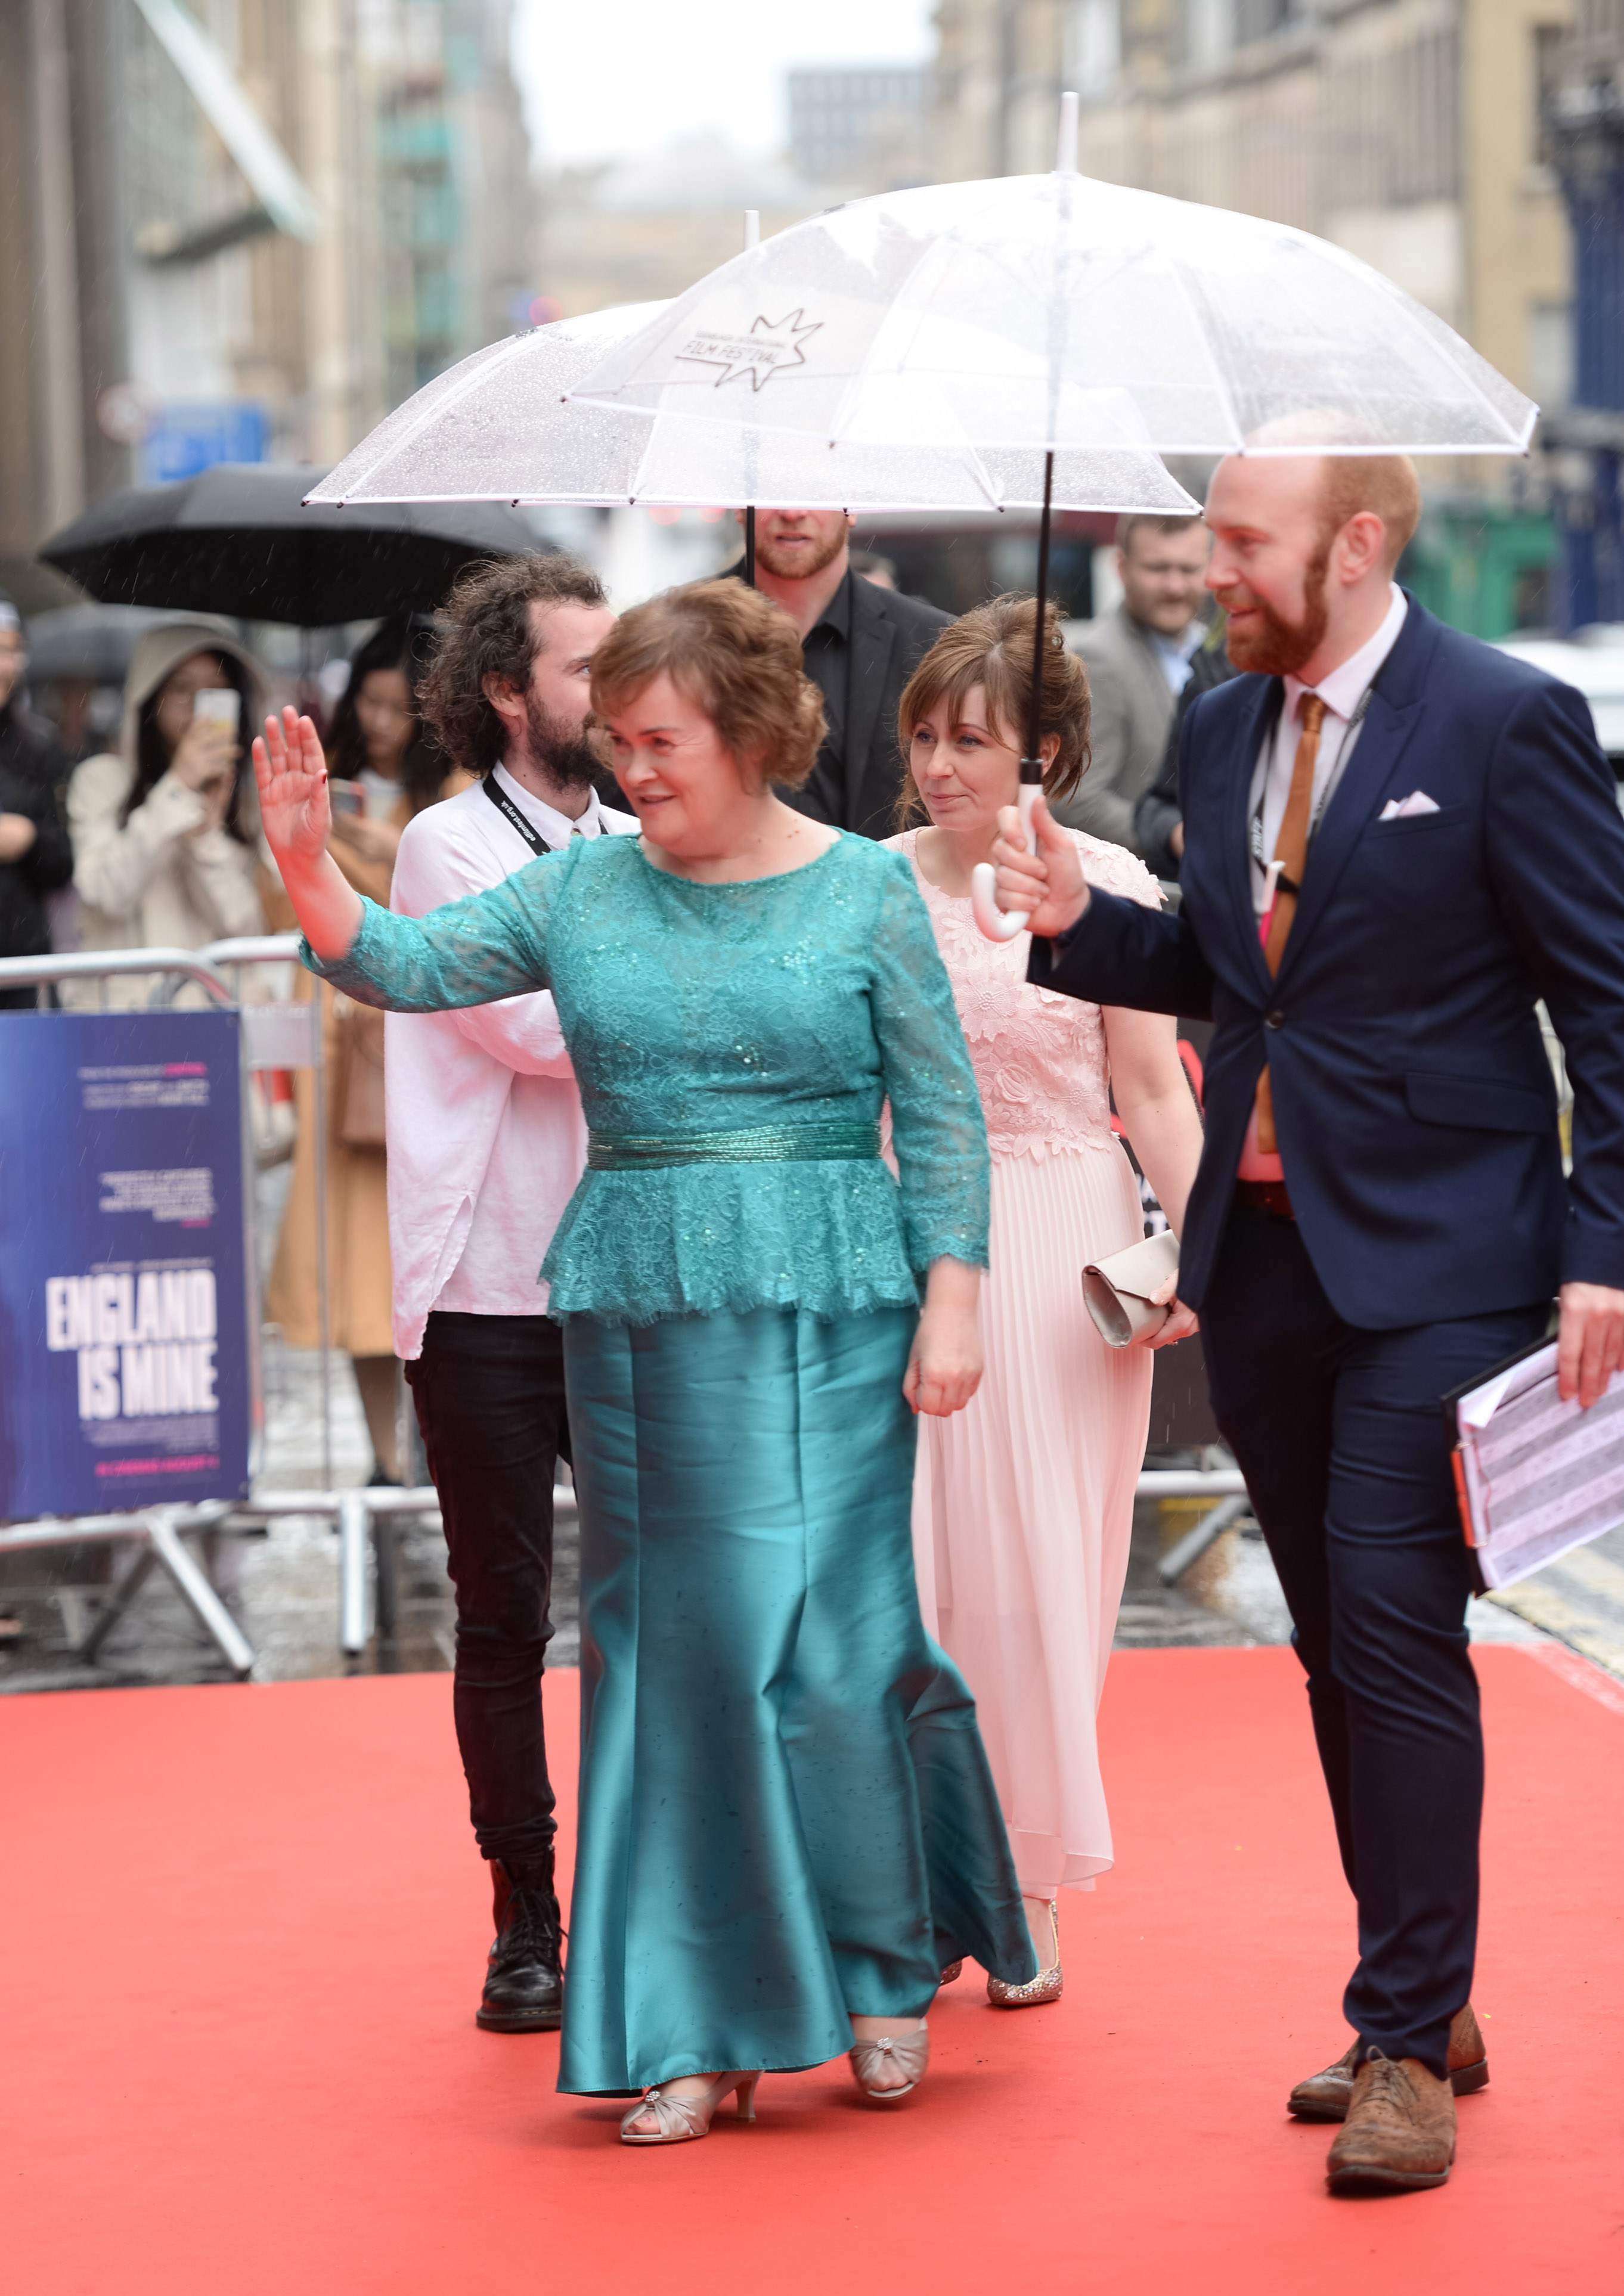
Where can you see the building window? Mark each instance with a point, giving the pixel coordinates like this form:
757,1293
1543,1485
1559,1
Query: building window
1260,20
1093,48
1550,353
1209,34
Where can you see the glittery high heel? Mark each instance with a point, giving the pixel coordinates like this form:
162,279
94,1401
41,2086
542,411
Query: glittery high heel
1043,1988
910,2053
682,2119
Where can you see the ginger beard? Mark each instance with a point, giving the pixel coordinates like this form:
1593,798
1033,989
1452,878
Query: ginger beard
1279,647
797,565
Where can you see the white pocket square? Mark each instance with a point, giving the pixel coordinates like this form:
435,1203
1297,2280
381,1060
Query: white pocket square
1406,809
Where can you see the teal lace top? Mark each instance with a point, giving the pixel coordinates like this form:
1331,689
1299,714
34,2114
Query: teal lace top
788,1009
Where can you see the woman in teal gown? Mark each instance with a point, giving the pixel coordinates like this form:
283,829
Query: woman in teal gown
787,1824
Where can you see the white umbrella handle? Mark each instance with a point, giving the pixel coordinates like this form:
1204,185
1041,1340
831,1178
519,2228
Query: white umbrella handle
996,923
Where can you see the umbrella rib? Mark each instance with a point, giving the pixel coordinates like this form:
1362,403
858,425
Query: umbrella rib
1476,389
430,414
1219,383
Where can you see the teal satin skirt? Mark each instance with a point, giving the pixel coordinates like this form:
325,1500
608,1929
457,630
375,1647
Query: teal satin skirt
786,1816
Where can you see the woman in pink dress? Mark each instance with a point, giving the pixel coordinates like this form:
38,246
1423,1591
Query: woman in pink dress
1023,1503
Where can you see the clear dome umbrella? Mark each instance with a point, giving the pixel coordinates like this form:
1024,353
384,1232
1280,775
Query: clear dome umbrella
1051,315
501,426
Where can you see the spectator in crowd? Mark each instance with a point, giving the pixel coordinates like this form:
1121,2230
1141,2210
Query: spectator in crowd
36,857
1159,827
487,1144
1138,662
861,642
881,571
385,768
167,851
29,744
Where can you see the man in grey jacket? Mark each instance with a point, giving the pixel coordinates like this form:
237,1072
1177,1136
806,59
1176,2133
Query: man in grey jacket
1139,659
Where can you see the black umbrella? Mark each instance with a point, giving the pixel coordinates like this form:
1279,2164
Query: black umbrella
237,540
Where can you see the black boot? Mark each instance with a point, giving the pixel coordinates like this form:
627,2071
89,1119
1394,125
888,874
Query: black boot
524,1984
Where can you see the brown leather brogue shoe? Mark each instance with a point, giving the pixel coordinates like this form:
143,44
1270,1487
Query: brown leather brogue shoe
1399,2133
1323,2096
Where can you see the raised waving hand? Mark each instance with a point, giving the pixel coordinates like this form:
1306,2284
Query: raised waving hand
292,776
298,820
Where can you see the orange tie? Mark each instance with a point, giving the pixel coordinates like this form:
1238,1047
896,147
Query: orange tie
1292,852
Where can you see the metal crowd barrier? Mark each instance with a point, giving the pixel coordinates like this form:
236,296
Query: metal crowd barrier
366,1521
155,1534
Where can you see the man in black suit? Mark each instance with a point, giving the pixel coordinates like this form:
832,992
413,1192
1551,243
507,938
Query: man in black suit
861,644
1397,841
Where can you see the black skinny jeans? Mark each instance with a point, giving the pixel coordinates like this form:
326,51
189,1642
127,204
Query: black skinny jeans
489,1391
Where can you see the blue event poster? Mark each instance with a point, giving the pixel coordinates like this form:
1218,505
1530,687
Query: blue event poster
124,1364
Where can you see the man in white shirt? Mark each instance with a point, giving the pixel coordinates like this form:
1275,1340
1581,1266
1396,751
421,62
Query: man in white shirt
486,1143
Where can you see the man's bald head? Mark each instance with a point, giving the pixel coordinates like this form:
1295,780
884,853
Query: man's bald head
1382,486
1305,550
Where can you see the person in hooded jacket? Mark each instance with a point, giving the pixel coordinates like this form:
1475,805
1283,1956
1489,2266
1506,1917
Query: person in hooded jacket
36,858
167,848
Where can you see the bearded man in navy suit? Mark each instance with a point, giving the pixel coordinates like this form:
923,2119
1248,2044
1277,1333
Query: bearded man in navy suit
1397,841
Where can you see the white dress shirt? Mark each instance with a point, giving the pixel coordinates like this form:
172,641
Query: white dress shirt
1174,654
1342,692
486,1137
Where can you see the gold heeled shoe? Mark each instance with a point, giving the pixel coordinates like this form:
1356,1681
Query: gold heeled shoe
684,2118
1043,1988
910,2053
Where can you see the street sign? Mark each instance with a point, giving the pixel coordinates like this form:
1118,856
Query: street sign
123,1365
186,439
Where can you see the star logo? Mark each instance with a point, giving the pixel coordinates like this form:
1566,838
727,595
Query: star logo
771,346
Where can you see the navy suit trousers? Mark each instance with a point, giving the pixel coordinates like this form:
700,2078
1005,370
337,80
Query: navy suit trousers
1340,1435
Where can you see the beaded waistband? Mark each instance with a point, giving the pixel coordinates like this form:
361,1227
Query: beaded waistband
757,1144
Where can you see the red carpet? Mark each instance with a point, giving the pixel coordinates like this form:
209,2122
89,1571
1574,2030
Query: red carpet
241,1932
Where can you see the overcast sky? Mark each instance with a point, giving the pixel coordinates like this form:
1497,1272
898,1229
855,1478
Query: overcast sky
605,78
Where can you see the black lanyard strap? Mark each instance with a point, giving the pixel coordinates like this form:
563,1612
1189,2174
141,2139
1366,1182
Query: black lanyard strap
504,804
1332,779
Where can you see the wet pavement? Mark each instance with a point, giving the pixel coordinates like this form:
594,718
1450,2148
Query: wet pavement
281,1583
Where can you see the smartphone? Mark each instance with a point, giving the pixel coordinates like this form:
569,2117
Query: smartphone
219,705
346,796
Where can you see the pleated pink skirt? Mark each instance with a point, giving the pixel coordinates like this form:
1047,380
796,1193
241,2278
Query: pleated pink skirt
1023,1506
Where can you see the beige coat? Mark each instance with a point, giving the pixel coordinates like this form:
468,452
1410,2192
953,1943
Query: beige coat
148,882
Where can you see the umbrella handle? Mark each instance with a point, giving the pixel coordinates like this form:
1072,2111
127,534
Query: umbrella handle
996,923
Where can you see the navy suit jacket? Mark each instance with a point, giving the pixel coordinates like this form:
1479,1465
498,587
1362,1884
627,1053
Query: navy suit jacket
1412,1099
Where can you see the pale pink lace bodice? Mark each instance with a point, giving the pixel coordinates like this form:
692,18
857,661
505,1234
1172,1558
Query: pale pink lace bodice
1039,1058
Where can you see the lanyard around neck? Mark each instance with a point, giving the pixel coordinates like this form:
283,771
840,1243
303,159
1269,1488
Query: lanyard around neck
1333,777
528,829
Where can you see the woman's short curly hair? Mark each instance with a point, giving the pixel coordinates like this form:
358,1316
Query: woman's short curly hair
735,655
992,647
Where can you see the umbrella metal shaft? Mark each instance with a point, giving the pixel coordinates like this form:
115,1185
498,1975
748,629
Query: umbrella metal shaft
1032,765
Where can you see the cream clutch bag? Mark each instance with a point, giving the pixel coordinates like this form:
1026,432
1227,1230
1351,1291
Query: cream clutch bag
1117,1292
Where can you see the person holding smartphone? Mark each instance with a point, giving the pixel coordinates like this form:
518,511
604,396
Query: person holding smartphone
167,849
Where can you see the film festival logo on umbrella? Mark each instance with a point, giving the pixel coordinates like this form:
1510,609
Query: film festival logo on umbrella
771,346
